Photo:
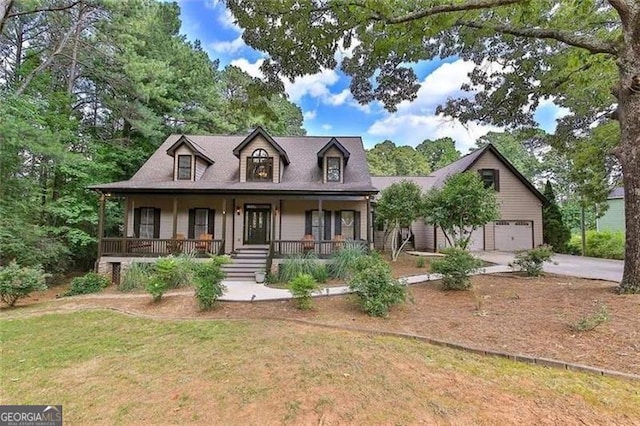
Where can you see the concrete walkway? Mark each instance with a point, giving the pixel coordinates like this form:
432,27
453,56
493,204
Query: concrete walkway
575,266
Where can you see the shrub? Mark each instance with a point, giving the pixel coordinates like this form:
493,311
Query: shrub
167,274
86,284
590,322
156,286
342,260
17,282
531,261
302,287
455,268
136,277
297,265
375,287
320,273
605,244
208,277
420,262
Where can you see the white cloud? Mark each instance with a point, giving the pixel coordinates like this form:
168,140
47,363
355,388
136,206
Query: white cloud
327,127
416,121
314,85
339,98
253,69
228,47
227,20
211,4
310,115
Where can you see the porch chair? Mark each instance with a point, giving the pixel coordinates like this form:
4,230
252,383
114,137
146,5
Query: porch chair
307,243
204,243
338,242
176,245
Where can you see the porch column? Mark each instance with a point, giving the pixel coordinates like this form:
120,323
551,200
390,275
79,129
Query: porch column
224,224
320,219
125,225
175,217
369,242
101,224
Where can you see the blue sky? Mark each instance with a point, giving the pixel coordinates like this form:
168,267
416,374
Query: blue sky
327,105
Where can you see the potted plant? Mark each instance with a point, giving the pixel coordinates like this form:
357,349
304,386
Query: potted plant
260,276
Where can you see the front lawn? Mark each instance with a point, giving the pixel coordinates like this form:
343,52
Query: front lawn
110,368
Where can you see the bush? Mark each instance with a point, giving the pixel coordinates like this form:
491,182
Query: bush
455,268
299,264
156,286
167,274
320,273
86,284
208,277
302,287
136,277
17,282
531,261
375,287
420,262
342,260
605,244
590,322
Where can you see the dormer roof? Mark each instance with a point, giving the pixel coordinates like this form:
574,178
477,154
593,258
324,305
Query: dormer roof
333,143
259,131
196,149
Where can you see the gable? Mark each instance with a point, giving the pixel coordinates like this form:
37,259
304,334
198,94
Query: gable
260,132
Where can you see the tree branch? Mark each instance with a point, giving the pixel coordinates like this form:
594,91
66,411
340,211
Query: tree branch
447,8
575,40
622,8
44,9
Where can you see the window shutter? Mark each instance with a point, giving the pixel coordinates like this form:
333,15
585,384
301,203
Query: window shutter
307,223
337,229
136,222
156,223
327,225
210,221
192,223
496,180
356,225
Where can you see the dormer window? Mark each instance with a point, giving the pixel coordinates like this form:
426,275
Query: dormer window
260,166
334,169
184,167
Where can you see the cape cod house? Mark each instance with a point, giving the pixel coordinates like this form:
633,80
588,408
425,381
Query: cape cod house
256,197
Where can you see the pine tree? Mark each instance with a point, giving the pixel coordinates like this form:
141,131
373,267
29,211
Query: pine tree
555,232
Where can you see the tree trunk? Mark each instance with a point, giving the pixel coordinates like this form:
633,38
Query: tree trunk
5,7
628,152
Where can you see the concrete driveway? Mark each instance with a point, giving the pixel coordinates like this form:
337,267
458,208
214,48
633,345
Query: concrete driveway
576,266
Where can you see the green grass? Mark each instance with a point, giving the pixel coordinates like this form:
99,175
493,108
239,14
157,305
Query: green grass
120,369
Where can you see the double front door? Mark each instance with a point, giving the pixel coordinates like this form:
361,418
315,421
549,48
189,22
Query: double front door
257,223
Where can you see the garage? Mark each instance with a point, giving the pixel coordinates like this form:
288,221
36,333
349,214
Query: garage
512,235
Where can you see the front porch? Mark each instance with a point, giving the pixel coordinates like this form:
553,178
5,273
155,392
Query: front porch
150,247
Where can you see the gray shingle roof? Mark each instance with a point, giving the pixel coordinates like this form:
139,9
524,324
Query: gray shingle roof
302,174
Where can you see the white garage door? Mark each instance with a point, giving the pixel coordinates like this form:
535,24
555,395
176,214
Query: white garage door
514,235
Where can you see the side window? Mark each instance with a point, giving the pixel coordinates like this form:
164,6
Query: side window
184,167
147,222
491,178
347,222
333,169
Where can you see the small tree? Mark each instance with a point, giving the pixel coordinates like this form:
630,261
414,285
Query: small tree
17,282
460,207
301,288
555,232
399,205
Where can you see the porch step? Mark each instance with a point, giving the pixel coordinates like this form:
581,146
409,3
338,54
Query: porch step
245,261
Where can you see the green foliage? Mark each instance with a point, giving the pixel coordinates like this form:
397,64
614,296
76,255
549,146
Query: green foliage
342,260
420,262
531,261
156,287
176,271
387,159
399,205
590,322
439,153
605,244
455,268
299,264
461,206
207,277
302,287
88,283
17,282
555,232
374,286
519,147
136,277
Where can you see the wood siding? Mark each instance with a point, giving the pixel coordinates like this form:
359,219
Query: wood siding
201,166
257,143
293,216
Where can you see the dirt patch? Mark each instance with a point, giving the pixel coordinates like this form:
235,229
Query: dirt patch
504,312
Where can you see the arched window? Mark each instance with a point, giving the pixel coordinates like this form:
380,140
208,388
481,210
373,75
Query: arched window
259,166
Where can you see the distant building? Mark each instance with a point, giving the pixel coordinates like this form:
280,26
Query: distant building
613,218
